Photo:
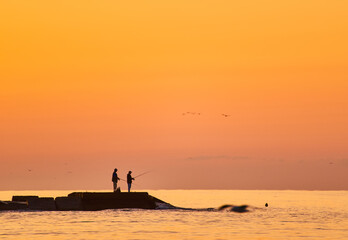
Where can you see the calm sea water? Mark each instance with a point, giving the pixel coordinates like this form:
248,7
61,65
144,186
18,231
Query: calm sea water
290,215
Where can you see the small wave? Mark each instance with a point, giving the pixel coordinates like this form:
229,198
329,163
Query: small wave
160,205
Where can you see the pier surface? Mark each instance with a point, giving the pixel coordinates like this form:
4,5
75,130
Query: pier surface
86,201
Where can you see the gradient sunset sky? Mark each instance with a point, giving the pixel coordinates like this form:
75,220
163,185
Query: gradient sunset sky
87,86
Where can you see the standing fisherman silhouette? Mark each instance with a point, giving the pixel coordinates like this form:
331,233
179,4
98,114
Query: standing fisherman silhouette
115,179
129,180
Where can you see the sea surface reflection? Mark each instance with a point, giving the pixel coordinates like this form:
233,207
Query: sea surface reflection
290,215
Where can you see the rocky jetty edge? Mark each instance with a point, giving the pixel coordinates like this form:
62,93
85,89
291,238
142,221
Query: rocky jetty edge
86,201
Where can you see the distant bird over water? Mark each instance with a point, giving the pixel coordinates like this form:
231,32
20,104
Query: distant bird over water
225,115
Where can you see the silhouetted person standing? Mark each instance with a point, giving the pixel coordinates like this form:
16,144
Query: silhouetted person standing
115,179
129,180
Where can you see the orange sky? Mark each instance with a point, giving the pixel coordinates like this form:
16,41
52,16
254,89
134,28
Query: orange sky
87,86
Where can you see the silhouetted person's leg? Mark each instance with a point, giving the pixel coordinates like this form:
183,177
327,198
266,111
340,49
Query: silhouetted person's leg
129,186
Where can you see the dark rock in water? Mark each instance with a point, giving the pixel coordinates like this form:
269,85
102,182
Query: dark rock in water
107,200
161,204
36,203
242,208
68,203
231,208
89,201
23,198
11,205
223,207
118,200
44,204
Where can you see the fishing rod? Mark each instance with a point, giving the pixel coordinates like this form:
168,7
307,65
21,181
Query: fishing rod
142,174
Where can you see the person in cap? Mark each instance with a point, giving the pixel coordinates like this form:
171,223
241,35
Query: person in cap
129,180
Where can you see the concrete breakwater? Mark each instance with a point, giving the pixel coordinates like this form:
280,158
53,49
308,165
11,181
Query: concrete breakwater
86,201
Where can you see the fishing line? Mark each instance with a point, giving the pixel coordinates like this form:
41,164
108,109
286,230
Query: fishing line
142,174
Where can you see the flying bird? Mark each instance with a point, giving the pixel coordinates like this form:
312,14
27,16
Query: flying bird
225,115
191,113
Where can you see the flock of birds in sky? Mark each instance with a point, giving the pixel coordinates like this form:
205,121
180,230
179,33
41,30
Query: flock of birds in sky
198,113
184,114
